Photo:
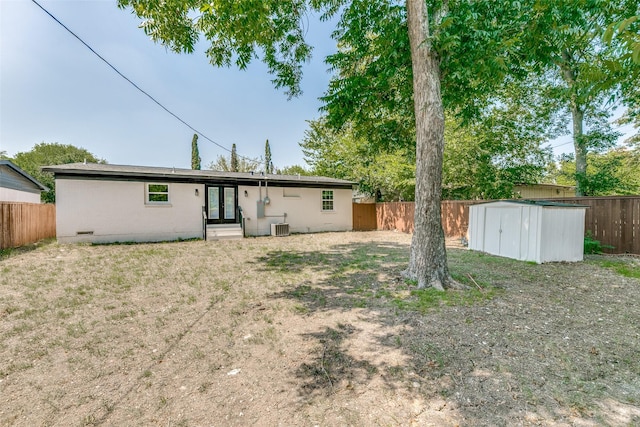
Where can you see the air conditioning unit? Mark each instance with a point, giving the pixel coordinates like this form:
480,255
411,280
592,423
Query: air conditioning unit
281,229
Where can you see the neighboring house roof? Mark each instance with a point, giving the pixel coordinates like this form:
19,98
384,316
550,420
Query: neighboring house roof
551,186
123,172
11,176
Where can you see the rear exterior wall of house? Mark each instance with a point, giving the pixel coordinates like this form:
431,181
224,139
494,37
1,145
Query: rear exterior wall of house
104,211
307,211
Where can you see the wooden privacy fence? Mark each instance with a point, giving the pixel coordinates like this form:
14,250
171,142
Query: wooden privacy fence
613,220
395,216
24,223
399,216
364,217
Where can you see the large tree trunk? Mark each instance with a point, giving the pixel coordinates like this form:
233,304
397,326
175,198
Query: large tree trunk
577,117
428,261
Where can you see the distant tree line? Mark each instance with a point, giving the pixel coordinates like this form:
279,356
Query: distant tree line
46,154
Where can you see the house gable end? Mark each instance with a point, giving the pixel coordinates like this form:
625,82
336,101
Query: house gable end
15,178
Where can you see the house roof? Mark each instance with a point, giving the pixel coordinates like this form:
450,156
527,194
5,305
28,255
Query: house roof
545,185
543,203
124,172
7,182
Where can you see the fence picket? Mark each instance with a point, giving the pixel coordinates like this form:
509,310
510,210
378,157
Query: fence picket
24,223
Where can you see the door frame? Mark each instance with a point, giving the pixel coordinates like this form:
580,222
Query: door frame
221,204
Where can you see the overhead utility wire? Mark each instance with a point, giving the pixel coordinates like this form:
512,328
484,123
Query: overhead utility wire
571,142
560,145
135,85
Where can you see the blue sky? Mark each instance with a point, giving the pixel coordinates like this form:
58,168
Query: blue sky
53,89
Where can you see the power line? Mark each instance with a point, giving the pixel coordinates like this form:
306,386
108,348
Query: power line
136,86
616,128
560,145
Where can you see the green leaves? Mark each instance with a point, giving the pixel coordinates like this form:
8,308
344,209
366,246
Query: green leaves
486,158
234,164
617,27
268,164
371,100
195,153
628,35
47,154
386,174
237,32
615,172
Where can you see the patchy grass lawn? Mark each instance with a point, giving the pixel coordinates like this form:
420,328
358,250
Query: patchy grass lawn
312,330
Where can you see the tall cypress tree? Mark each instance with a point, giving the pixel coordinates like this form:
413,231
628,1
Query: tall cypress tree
234,159
195,153
268,165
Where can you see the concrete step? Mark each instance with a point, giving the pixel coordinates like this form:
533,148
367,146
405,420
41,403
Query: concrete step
224,231
223,226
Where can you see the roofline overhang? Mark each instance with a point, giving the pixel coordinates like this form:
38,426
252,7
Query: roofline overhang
17,169
63,173
545,203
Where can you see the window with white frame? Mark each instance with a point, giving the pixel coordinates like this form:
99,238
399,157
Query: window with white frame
327,200
157,194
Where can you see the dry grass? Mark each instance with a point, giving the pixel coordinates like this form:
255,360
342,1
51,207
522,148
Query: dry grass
312,330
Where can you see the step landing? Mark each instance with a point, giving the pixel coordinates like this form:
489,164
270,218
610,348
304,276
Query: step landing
224,232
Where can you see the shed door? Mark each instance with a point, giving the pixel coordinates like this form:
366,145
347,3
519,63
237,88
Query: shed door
502,232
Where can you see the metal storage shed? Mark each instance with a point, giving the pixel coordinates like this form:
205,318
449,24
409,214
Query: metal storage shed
527,230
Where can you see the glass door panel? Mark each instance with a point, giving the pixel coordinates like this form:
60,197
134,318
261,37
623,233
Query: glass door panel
229,203
214,203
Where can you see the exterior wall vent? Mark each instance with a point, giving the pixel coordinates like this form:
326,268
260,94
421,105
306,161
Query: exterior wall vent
280,229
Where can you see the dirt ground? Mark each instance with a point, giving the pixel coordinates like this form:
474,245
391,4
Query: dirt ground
312,330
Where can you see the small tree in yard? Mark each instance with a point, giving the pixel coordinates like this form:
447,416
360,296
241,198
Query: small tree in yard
226,164
234,159
268,164
195,153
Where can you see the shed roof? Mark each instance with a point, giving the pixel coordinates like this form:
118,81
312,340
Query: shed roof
9,164
107,171
543,203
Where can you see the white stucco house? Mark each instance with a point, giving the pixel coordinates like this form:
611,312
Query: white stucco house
115,203
18,186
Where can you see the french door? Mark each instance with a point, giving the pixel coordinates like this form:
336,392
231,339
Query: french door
222,202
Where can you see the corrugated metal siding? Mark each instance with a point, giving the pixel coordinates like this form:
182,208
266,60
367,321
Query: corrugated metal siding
612,220
527,232
562,237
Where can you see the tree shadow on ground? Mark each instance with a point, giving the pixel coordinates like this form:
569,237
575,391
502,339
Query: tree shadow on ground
365,277
496,361
29,247
344,277
332,367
